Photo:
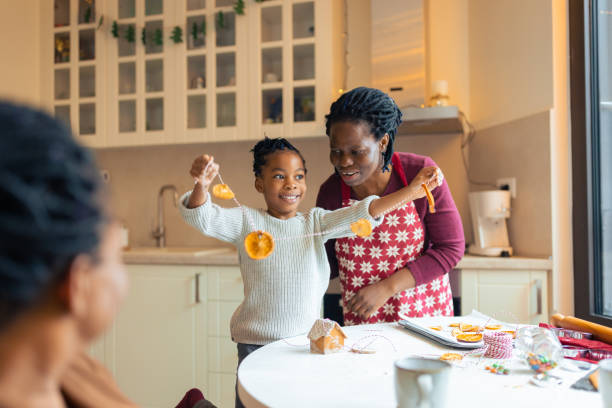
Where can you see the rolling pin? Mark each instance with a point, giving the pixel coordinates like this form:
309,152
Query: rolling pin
599,332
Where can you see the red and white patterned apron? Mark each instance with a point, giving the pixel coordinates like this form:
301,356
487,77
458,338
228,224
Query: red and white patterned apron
394,243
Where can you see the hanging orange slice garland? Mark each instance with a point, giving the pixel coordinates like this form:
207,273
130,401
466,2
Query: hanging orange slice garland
260,244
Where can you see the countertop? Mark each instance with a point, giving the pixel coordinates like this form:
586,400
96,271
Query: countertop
229,256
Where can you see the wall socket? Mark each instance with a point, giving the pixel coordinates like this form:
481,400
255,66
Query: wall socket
510,181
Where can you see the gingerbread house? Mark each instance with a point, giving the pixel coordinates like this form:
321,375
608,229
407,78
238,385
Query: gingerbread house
326,336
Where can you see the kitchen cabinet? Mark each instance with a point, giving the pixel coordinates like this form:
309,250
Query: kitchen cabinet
274,70
510,289
297,65
172,334
72,67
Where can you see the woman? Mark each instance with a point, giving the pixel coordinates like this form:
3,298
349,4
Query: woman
402,268
61,274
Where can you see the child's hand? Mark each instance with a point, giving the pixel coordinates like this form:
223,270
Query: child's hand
430,176
204,170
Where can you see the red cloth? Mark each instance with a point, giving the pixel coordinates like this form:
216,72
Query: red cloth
582,343
390,246
444,243
191,397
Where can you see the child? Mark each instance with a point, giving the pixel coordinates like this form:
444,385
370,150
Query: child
283,292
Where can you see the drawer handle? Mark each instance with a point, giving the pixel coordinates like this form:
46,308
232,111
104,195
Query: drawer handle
537,287
197,287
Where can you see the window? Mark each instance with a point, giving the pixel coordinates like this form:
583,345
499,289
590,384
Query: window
591,107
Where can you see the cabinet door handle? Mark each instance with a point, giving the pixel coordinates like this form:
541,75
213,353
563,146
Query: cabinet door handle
537,289
197,287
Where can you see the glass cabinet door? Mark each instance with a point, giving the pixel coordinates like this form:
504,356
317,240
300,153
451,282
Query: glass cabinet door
303,62
225,63
141,64
76,61
127,67
287,63
197,37
271,37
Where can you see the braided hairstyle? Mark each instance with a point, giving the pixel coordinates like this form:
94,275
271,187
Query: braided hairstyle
268,146
51,206
371,106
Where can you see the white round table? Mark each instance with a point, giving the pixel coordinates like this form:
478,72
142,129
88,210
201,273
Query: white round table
286,374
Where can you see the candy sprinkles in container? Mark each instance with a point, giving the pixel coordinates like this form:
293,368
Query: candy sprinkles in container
540,348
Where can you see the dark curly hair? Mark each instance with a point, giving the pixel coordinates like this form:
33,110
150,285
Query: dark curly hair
370,106
51,206
268,146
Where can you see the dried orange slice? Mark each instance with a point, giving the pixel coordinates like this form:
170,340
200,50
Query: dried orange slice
222,191
511,332
451,356
454,325
259,244
493,326
455,332
465,327
438,328
430,199
470,337
361,227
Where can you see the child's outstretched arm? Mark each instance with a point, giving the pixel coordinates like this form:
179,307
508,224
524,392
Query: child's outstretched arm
204,170
411,192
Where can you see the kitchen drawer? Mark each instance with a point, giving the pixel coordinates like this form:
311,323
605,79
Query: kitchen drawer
225,283
221,389
219,315
222,355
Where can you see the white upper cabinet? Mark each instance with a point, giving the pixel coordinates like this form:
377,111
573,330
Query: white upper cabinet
298,65
72,60
272,70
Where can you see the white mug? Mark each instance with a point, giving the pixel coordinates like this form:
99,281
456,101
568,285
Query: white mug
421,382
605,382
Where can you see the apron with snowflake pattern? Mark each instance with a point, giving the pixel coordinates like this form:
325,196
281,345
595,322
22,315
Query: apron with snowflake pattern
390,246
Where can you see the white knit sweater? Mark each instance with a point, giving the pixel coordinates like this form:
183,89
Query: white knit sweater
283,292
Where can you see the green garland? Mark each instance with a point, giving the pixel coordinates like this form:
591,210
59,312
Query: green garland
177,35
177,31
239,7
130,34
220,20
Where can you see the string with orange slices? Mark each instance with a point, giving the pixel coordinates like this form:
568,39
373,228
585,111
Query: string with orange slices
260,244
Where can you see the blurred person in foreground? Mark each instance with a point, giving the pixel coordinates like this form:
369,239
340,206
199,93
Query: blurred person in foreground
62,278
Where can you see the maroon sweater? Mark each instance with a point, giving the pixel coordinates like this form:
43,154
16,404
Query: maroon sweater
444,241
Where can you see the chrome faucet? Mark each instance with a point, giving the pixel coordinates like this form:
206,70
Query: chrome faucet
160,232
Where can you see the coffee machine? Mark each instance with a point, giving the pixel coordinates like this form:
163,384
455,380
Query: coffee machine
489,211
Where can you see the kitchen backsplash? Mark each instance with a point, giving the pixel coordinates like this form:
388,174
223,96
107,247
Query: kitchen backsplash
136,174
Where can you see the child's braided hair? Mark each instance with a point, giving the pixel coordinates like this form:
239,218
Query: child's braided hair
51,206
268,146
371,106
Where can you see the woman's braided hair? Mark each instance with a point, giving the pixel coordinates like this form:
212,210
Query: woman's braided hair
51,206
371,106
267,146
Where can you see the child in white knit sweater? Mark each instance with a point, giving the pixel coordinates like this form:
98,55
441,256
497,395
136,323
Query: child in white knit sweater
283,292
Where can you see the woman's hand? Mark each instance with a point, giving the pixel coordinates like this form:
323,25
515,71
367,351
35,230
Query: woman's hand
204,170
369,299
430,176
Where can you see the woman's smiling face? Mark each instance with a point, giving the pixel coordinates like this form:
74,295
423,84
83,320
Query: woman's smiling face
354,151
283,183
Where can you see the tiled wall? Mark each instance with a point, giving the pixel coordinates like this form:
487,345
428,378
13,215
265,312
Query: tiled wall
520,149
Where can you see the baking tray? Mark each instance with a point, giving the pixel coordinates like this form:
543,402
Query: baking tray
440,337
